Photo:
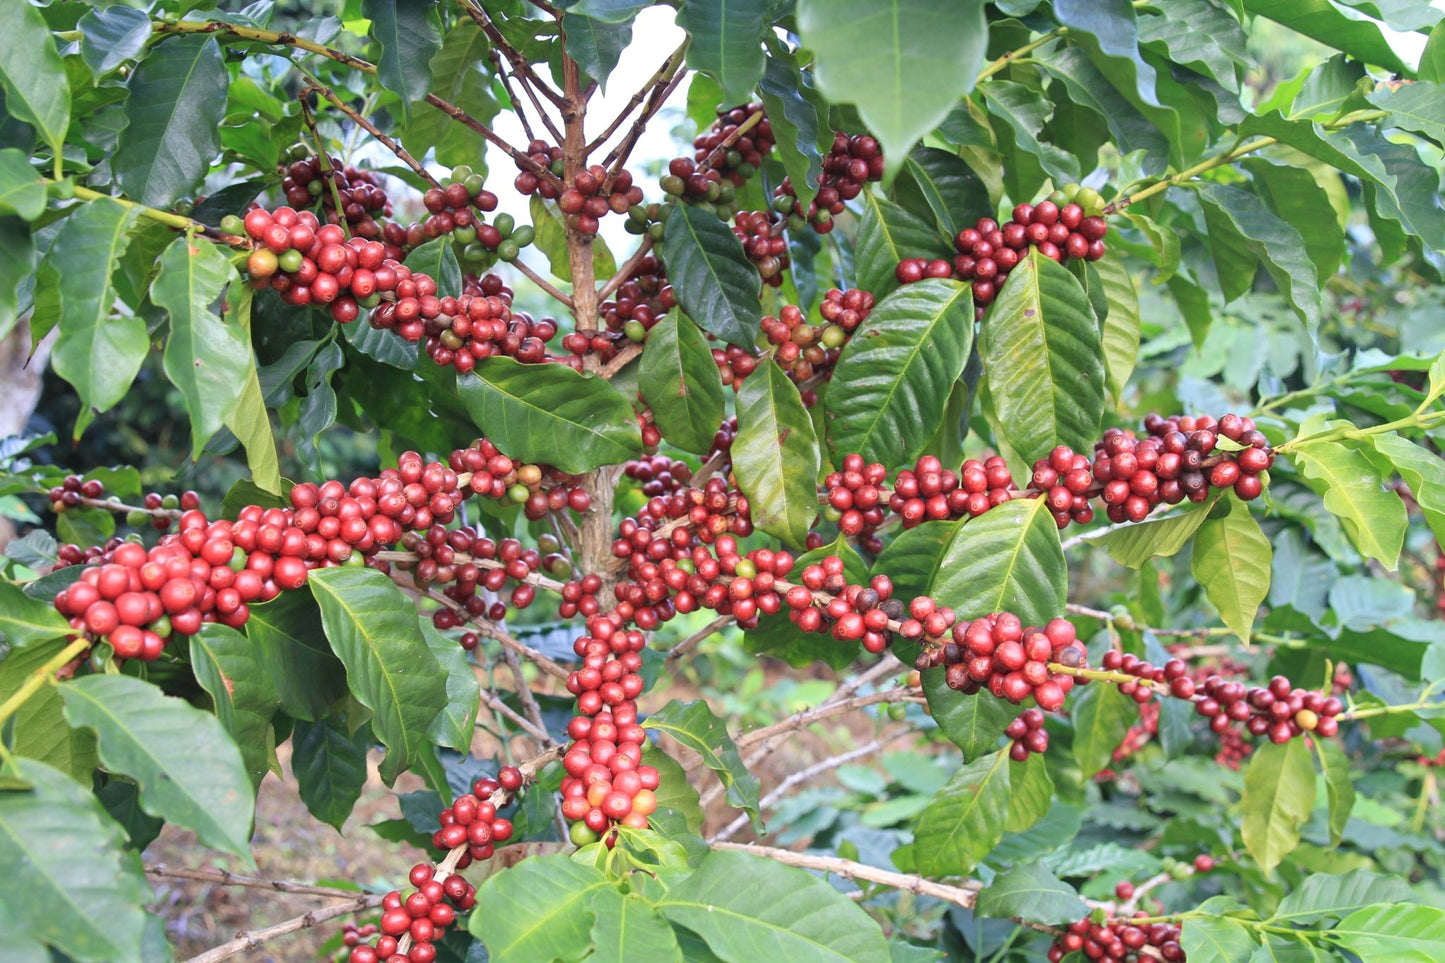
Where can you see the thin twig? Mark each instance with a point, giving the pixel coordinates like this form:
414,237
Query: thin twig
529,702
520,66
225,878
462,117
506,79
543,283
691,642
802,775
624,358
356,118
660,78
965,895
495,703
624,273
252,939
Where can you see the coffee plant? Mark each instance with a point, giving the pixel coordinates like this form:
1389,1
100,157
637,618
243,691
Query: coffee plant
1056,383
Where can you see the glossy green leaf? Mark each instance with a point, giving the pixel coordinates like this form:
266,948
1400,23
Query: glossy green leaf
1102,715
330,768
964,820
630,929
973,723
228,667
905,63
1320,20
712,278
1122,323
37,90
1007,560
1108,28
726,42
895,374
1432,58
1339,785
1322,894
595,45
112,35
1088,87
17,262
176,103
389,668
1394,931
38,729
1134,545
940,183
752,908
680,383
775,455
249,422
1043,359
888,234
543,908
1231,561
1199,34
1279,792
1030,892
99,350
550,414
1373,516
455,725
438,258
21,190
25,621
198,782
67,883
1026,111
1423,471
1292,192
1217,940
1242,233
409,36
208,356
695,726
460,75
609,11
797,121
291,642
674,792
1031,792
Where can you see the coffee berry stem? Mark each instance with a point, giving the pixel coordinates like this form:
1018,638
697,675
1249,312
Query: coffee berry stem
176,221
42,676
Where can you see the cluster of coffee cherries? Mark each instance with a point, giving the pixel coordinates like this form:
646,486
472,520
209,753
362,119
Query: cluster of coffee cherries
1280,710
474,327
1027,735
1233,749
858,496
999,653
637,306
658,474
593,195
761,234
307,262
472,821
363,199
741,158
1120,940
465,561
850,163
457,208
607,783
72,489
413,922
988,251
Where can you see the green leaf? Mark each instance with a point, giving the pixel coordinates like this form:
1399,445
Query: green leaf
17,262
330,768
1026,112
1243,232
888,234
37,90
460,75
38,729
21,190
1319,20
1043,360
228,667
1198,34
713,279
249,422
98,351
726,42
609,11
630,929
25,621
941,183
964,820
750,908
1394,931
1030,892
409,36
1322,895
543,908
112,35
550,414
67,882
798,119
290,640
680,383
775,455
198,782
1373,516
595,45
454,726
1007,560
438,257
905,63
1217,940
1134,545
695,726
1031,791
1293,193
176,104
1432,58
1088,87
1339,787
1120,336
780,638
1108,27
389,668
1423,471
674,792
973,723
896,372
1102,716
1232,558
207,356
1279,792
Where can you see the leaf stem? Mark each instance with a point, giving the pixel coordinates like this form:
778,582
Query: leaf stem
177,222
1013,55
42,677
